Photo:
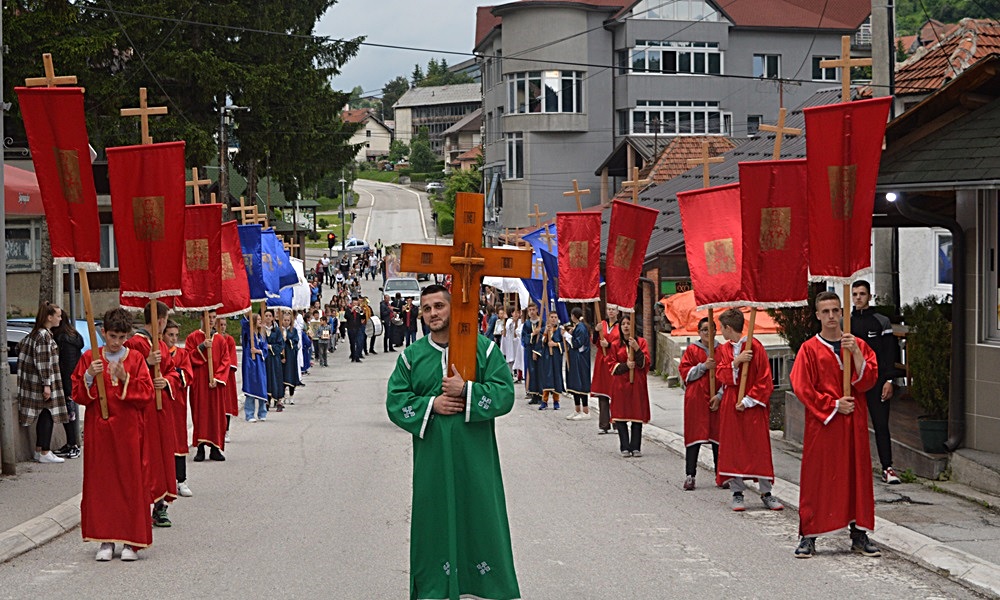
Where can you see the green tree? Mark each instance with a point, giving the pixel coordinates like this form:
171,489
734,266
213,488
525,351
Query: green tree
422,159
438,74
461,181
398,150
417,76
391,92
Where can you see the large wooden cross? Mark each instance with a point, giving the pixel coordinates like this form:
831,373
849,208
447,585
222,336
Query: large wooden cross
196,184
50,79
466,261
844,63
780,131
292,246
705,160
577,193
635,184
243,209
143,112
537,216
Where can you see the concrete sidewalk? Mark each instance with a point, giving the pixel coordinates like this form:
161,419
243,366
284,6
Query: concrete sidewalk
941,526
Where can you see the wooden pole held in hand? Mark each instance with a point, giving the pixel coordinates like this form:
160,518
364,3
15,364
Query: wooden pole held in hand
208,344
744,369
711,352
154,323
845,354
88,309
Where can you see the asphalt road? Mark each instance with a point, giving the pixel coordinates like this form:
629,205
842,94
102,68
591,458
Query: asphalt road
400,214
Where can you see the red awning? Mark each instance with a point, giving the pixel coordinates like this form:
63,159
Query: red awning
21,195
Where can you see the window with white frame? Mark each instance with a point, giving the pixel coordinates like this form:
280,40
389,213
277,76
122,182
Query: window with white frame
24,247
753,124
671,58
109,252
545,92
675,10
685,117
943,246
767,66
823,74
515,156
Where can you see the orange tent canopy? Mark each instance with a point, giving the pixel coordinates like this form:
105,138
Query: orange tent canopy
679,309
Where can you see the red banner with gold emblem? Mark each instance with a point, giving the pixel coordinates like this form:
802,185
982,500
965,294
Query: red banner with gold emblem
147,204
579,239
775,220
628,237
713,241
843,149
57,136
235,285
201,269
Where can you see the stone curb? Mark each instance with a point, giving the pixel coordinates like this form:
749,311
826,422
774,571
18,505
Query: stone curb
42,529
961,567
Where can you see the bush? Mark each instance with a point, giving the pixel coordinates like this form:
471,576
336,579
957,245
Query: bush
446,223
313,235
928,353
404,172
323,223
796,325
415,177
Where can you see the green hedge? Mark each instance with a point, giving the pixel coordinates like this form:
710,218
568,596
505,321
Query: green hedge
415,177
446,224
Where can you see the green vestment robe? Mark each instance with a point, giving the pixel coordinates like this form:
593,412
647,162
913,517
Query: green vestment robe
459,536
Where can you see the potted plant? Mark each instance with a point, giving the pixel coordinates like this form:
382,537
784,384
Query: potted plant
928,356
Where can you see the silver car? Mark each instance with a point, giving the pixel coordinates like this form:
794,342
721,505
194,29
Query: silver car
408,287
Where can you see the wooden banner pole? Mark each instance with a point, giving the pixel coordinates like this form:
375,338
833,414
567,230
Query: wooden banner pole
846,354
744,369
155,319
88,309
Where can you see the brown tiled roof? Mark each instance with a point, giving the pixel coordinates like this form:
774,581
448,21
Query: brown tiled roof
672,159
486,21
933,66
840,15
357,115
471,154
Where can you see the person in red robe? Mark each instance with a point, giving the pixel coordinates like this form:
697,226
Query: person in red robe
629,400
836,489
208,392
115,504
158,442
701,408
179,391
232,395
600,382
744,423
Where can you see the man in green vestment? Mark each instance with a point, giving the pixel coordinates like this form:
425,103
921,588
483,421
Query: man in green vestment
459,536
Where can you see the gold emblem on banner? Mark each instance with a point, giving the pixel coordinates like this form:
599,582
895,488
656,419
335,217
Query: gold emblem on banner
265,260
147,218
624,248
720,257
775,227
843,183
196,254
579,253
248,263
68,164
228,269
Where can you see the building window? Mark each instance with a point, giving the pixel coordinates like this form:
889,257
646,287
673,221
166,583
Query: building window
109,252
675,10
515,156
942,244
821,74
545,91
753,124
671,58
368,133
678,118
24,247
766,66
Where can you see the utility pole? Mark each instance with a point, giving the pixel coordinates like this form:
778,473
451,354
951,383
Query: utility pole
886,241
343,211
7,431
224,151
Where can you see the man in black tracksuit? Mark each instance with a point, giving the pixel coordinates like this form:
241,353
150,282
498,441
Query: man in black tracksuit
876,330
385,313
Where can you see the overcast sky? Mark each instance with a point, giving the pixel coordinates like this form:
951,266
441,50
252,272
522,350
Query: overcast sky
435,24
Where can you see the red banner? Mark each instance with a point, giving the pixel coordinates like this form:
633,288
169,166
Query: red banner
579,239
713,241
147,204
235,285
201,269
57,136
843,148
628,237
775,219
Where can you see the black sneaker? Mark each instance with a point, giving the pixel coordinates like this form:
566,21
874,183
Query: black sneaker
199,456
216,454
67,451
74,452
160,518
860,544
807,547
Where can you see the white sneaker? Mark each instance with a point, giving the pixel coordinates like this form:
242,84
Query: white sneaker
37,456
183,489
262,419
227,436
106,552
50,458
572,416
252,420
129,553
583,417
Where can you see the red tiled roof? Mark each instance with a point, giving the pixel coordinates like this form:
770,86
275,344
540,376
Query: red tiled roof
846,15
486,21
471,154
357,115
932,66
672,160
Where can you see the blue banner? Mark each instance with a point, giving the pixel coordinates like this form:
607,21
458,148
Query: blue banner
250,245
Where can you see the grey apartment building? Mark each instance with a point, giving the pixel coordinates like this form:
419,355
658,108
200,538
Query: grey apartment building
566,82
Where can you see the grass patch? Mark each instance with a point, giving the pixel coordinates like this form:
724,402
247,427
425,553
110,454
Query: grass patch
908,476
383,176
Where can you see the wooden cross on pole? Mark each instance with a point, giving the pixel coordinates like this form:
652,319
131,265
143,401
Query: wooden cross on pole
292,246
50,79
548,237
143,112
243,209
577,193
635,184
196,184
705,160
780,131
537,216
844,63
466,261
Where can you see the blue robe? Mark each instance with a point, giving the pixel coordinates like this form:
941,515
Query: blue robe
254,367
290,368
275,373
530,345
307,349
550,365
578,373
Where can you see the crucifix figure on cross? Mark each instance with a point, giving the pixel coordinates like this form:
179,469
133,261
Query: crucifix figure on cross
143,112
577,193
780,131
466,261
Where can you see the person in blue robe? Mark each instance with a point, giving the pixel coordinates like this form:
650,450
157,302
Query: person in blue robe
254,366
578,371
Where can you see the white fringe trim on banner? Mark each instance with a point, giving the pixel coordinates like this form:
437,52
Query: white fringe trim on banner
718,305
580,300
264,299
622,308
230,315
841,280
151,295
280,306
197,308
757,305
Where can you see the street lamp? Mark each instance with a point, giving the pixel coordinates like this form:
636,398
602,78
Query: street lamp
223,152
343,219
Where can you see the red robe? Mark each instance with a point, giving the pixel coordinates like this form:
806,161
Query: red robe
158,443
232,400
700,424
115,504
629,401
179,385
836,480
208,405
744,437
600,382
